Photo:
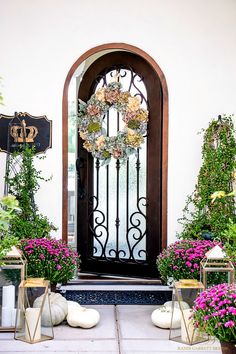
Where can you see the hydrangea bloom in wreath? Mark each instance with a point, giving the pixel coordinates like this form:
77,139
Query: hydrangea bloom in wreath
91,128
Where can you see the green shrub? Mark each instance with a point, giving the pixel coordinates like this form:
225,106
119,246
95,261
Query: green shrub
216,174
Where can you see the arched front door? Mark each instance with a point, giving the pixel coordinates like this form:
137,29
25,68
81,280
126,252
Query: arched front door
120,206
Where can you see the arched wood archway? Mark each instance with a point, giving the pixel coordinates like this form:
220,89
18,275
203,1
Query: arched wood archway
157,69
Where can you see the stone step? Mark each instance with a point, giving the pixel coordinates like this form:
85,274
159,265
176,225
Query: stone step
88,278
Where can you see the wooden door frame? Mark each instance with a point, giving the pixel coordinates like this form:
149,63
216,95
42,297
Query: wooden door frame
157,69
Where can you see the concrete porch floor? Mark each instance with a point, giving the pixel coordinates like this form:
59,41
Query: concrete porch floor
123,329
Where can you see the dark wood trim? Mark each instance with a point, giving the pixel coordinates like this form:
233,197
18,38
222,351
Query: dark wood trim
160,74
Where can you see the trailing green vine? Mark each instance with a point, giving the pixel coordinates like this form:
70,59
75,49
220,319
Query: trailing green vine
29,223
216,174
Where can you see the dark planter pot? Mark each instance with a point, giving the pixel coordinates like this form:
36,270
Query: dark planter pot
53,287
207,235
228,348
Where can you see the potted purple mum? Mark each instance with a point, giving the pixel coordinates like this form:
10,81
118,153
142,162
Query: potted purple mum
215,313
181,260
50,259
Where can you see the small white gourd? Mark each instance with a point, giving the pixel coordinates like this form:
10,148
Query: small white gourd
162,317
79,316
59,309
184,305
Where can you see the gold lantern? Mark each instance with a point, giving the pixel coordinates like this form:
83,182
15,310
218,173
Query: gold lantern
182,329
216,261
12,272
34,324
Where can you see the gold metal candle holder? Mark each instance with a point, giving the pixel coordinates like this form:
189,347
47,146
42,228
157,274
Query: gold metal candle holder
30,324
13,269
185,292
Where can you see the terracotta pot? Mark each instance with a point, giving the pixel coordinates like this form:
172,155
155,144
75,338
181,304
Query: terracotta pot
228,348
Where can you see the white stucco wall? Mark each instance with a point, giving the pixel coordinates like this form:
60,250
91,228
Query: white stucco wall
193,41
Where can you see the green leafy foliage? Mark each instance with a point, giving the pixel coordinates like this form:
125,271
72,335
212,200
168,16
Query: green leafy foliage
8,208
216,174
36,226
228,238
29,223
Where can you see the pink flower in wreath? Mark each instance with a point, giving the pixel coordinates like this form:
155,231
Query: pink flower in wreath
129,116
112,96
93,110
117,154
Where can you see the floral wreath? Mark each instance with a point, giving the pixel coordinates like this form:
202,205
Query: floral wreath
90,122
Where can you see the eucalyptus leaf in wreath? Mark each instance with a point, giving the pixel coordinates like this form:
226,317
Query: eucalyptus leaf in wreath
203,217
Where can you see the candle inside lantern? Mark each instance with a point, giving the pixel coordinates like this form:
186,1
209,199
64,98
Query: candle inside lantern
189,333
6,316
13,317
32,324
8,304
8,296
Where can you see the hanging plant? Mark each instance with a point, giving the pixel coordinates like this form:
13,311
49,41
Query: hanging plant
203,218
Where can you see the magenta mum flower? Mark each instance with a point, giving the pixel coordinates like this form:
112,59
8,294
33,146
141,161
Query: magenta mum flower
181,260
215,312
229,324
46,256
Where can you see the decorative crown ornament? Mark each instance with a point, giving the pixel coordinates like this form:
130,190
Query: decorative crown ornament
22,133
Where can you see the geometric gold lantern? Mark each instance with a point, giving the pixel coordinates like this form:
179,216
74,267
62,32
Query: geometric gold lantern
216,261
185,291
12,272
31,326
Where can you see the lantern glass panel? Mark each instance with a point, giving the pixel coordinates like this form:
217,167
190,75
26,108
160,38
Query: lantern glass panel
12,272
184,294
213,272
34,324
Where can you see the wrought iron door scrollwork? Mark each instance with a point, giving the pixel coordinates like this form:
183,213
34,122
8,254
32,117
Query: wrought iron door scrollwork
137,220
97,218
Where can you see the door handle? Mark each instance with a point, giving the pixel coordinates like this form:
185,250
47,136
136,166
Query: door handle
81,190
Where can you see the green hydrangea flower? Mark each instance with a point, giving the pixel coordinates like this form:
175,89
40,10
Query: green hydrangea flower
94,127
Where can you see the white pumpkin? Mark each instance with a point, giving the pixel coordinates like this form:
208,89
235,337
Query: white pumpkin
162,317
184,305
59,309
79,316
